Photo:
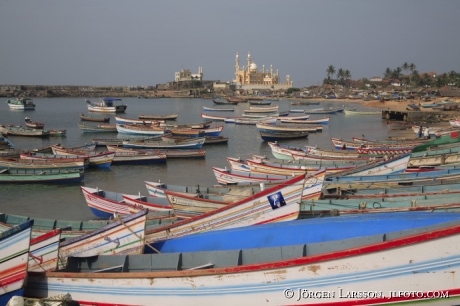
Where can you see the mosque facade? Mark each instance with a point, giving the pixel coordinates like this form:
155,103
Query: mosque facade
250,77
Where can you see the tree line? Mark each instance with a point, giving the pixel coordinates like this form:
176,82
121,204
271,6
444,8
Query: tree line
411,77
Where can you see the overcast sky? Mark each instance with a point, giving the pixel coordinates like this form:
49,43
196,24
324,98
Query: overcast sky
144,42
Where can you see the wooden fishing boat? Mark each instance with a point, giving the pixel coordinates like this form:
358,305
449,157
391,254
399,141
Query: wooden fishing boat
224,102
317,230
96,159
69,229
207,139
137,129
123,120
47,165
259,102
352,145
255,166
159,117
214,131
287,118
58,133
428,105
150,144
103,204
102,142
412,107
254,121
107,105
383,151
5,143
276,128
226,176
321,111
264,110
215,118
21,104
123,236
236,99
275,204
100,128
51,158
214,109
282,135
436,157
94,118
34,124
198,125
324,120
252,276
14,254
19,131
137,158
362,113
44,251
153,204
20,176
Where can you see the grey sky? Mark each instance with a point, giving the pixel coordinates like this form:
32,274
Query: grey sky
144,42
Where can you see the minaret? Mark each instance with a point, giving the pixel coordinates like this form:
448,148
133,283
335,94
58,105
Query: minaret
271,70
249,60
237,65
263,68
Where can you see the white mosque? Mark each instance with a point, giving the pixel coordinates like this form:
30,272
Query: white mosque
250,77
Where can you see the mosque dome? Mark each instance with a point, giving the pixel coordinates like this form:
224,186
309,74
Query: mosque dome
253,67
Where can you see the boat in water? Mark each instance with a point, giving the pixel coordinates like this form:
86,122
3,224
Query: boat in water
107,105
21,104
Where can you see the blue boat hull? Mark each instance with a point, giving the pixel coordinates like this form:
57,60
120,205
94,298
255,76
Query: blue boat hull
303,231
7,296
101,214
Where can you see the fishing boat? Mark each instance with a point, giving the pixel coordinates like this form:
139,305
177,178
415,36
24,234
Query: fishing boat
428,105
324,120
259,102
152,144
96,159
58,133
102,142
137,157
49,165
214,109
5,143
189,132
259,110
236,99
122,236
362,113
94,118
394,256
20,176
21,104
277,128
107,105
123,120
322,111
137,129
454,122
287,118
34,124
44,251
103,204
275,204
266,136
226,176
207,139
19,131
352,145
100,128
197,125
224,102
14,255
159,117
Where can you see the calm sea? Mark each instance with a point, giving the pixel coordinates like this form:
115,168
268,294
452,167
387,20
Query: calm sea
67,202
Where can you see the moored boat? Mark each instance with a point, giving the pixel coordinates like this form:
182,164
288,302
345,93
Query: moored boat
20,176
138,129
107,105
159,117
215,109
94,118
19,131
100,128
268,136
407,252
21,104
34,124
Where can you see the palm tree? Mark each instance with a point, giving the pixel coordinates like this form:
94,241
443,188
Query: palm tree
347,74
415,78
330,71
396,73
412,67
388,73
405,66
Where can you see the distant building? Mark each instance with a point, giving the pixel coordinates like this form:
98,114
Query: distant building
376,79
186,75
251,78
